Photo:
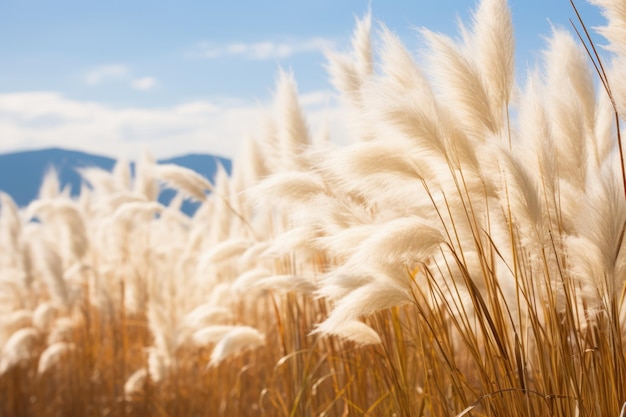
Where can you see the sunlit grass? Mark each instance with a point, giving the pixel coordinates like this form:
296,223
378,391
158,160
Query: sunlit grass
450,262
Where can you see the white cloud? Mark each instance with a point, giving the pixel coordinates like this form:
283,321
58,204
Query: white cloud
143,83
260,50
102,73
33,120
112,72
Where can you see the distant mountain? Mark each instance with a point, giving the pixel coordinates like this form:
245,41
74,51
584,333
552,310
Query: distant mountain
21,173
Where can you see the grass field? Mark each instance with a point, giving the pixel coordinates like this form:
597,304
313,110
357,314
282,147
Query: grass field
461,256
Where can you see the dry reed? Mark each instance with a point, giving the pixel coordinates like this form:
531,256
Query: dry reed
452,260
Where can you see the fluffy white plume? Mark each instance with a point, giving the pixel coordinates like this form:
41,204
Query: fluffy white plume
185,180
236,340
352,330
19,348
135,383
211,334
53,356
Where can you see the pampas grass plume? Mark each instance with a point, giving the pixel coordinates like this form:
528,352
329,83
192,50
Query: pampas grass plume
211,334
207,314
159,364
50,186
493,47
44,316
19,348
184,180
236,340
145,184
288,187
293,135
10,222
474,236
54,355
352,330
226,250
135,383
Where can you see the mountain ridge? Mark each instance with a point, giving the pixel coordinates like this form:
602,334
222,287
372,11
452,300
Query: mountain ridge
22,172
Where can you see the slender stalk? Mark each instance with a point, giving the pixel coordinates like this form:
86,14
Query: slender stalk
605,82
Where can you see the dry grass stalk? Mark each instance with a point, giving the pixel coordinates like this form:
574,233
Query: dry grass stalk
463,256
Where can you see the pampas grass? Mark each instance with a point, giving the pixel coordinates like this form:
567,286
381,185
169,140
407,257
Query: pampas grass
183,179
463,255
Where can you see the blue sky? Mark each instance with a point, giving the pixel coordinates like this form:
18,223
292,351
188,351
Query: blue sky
195,76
